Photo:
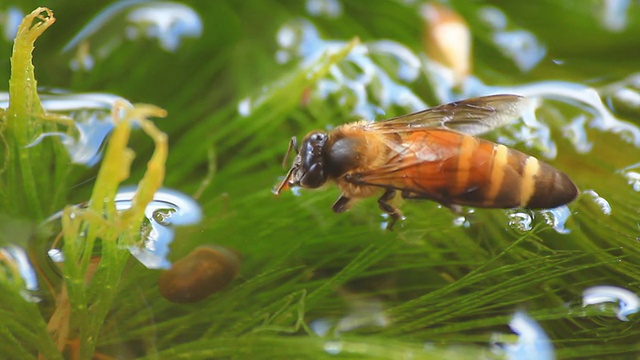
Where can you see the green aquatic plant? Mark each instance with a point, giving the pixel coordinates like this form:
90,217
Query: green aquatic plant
314,284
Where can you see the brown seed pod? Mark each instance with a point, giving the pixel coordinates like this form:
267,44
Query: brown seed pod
447,39
204,271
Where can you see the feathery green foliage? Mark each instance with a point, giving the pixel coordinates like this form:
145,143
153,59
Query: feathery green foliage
430,289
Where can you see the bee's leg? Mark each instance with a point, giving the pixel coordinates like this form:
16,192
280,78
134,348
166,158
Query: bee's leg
341,205
394,213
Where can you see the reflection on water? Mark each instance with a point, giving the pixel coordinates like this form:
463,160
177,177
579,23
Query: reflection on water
533,343
557,218
329,8
633,177
520,220
128,20
10,20
14,263
359,80
519,45
613,14
168,208
90,122
627,302
364,312
601,202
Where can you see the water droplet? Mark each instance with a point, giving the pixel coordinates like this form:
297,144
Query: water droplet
321,327
633,177
493,17
15,259
168,208
370,87
92,122
613,14
333,347
161,216
164,21
576,132
520,221
557,218
533,342
519,45
329,8
629,97
55,255
602,203
628,302
364,312
204,271
244,107
11,20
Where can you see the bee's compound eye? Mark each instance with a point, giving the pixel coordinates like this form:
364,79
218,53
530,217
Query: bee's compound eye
318,137
314,177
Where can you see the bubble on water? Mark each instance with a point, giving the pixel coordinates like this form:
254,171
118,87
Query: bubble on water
333,347
629,97
632,177
164,21
557,218
90,117
11,19
358,78
321,327
576,132
168,22
533,342
602,203
628,302
519,45
55,255
520,221
16,261
461,221
244,107
363,313
168,209
613,14
586,99
329,8
493,17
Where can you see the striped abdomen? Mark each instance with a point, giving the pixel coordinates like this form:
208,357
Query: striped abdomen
453,168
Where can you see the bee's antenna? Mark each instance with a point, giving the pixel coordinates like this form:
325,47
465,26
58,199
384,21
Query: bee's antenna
293,144
284,184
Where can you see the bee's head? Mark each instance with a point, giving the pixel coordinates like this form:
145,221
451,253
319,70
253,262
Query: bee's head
308,169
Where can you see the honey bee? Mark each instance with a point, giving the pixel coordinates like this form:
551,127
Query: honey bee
431,154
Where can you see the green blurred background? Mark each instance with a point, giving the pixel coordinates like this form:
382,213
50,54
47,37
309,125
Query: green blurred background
432,288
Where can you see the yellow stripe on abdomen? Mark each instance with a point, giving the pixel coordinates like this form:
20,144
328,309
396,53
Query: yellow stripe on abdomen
467,148
528,183
497,172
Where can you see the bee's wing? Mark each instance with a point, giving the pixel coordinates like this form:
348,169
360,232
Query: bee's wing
473,116
419,165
